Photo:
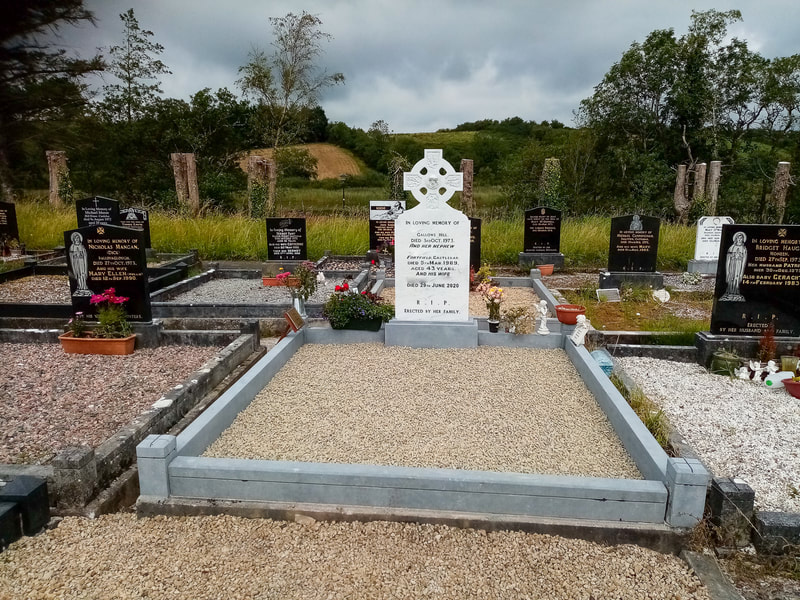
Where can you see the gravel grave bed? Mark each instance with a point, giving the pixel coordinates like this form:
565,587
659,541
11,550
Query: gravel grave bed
515,296
37,289
50,400
738,428
674,281
230,557
493,409
248,291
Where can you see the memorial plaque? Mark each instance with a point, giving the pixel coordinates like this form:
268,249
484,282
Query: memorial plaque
103,257
8,222
382,215
138,219
542,230
97,211
475,243
432,249
709,233
286,239
634,244
758,280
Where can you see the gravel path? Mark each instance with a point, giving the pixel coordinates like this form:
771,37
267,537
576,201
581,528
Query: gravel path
226,557
515,296
50,399
40,289
368,404
739,429
248,291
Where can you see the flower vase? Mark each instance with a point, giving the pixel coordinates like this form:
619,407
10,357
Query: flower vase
493,325
300,305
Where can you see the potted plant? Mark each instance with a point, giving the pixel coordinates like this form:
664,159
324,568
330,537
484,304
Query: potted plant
350,310
493,297
301,284
279,279
111,335
568,313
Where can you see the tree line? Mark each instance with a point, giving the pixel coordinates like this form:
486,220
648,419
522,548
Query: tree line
670,101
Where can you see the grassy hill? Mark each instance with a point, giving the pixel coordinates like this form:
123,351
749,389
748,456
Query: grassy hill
332,160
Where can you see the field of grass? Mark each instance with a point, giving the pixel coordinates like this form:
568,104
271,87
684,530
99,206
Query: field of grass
584,241
332,160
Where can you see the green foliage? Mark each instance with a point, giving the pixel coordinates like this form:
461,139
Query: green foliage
296,162
343,307
651,416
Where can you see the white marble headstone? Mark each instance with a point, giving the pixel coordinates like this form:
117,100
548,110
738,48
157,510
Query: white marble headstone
432,246
709,234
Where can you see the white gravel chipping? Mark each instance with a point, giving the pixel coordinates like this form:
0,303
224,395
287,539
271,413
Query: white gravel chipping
199,558
496,409
738,428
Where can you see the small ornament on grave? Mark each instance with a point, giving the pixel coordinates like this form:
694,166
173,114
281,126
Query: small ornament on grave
661,295
542,310
582,327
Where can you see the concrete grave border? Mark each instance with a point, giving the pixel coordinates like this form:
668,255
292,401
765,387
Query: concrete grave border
673,489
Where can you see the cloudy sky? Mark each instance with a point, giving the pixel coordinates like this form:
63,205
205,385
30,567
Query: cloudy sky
421,65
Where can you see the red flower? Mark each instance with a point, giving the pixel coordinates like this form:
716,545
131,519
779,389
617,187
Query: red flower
338,288
364,292
345,286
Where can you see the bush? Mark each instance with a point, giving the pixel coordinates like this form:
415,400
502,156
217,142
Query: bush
343,307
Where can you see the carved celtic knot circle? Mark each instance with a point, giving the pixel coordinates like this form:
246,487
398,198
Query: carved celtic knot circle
433,181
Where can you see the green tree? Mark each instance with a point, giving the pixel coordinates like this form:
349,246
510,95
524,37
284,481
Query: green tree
41,86
136,64
288,81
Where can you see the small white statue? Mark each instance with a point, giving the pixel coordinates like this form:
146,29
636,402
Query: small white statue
581,329
742,373
321,278
772,367
542,310
757,369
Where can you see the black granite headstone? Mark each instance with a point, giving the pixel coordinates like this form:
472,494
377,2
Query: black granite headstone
542,230
634,244
8,222
475,243
286,239
105,257
138,219
382,216
758,280
97,211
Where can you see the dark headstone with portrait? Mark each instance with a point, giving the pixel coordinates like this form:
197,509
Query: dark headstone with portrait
8,222
105,256
758,281
382,215
97,211
286,239
633,252
474,244
138,219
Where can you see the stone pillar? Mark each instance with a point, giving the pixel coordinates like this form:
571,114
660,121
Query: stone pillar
731,503
687,481
59,175
153,456
272,173
712,188
257,180
680,201
779,189
467,199
184,168
699,182
75,476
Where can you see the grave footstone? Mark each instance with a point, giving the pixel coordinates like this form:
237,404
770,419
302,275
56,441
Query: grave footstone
632,253
706,245
758,281
138,219
286,239
542,238
97,210
103,257
8,224
432,254
382,215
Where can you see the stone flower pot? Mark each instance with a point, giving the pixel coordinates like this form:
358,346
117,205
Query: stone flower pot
545,269
91,345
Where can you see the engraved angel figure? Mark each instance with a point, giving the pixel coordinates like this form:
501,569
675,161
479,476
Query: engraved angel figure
79,261
735,261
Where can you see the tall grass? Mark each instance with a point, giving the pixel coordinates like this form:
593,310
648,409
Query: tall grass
584,240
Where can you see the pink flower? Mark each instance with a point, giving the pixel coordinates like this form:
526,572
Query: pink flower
282,276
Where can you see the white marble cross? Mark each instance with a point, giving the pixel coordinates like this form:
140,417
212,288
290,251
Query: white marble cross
433,181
